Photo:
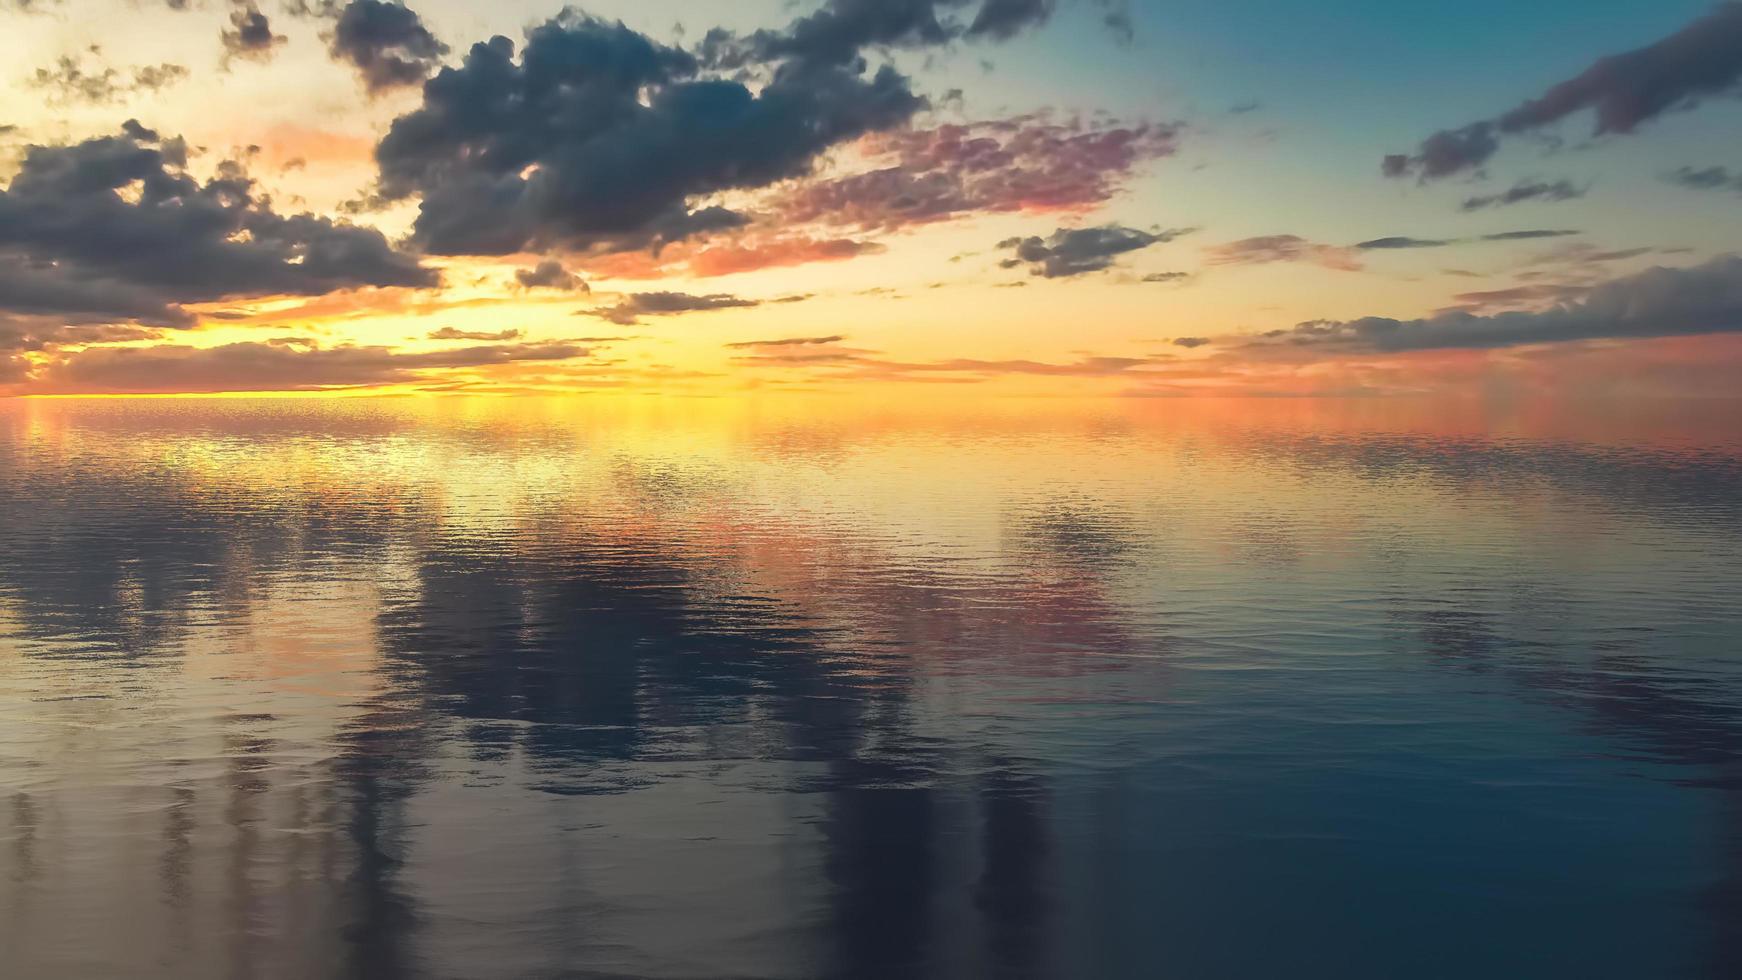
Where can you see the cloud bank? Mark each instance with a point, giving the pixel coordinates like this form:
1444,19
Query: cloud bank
1659,302
116,229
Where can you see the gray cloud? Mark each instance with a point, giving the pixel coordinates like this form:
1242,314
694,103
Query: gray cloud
454,333
1116,18
72,81
550,274
1702,60
249,34
1266,249
387,43
1398,242
843,362
1004,19
631,308
116,228
1706,179
1659,302
789,342
273,366
1079,251
598,137
1027,163
837,34
18,335
1526,190
1513,236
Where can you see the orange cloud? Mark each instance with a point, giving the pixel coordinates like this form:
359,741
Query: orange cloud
741,254
287,144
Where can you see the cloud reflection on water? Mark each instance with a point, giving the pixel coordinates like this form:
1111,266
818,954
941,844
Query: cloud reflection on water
397,689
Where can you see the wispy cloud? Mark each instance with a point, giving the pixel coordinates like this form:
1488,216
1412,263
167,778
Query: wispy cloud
1029,164
787,342
1698,62
264,366
1524,191
1266,249
1706,179
631,308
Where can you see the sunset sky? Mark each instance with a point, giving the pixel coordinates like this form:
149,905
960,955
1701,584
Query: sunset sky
1165,197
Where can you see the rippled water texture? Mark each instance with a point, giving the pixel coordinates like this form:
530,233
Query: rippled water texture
640,688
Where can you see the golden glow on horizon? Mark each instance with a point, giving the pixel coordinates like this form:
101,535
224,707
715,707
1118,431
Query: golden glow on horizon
928,304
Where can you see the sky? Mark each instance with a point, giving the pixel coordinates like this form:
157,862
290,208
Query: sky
1148,198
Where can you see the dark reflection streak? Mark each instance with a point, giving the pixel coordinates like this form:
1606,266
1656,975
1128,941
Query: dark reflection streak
1705,486
378,771
880,846
1013,887
1671,722
16,903
175,865
24,819
604,653
149,549
246,787
294,863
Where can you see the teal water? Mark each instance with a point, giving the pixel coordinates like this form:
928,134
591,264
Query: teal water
666,689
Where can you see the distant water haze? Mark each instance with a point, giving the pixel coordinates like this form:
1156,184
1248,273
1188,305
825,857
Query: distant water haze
789,688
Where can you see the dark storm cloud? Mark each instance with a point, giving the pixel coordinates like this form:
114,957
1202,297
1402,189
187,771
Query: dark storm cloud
1192,342
249,34
1079,251
1700,61
550,274
1659,302
1526,190
33,288
637,305
598,137
387,44
273,366
1706,179
116,228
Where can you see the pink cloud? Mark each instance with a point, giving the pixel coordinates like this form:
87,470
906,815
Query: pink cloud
1026,164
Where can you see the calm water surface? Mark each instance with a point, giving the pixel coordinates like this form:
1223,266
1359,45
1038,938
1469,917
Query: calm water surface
640,688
